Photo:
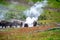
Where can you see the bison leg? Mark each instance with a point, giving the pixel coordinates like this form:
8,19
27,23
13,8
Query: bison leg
10,26
5,26
2,26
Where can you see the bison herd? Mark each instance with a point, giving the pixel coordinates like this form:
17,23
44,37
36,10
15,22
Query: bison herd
10,24
5,24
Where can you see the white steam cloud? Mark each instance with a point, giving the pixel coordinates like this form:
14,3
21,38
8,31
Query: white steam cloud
34,12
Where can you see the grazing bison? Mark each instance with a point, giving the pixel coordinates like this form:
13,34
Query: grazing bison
14,24
25,25
17,23
5,24
34,23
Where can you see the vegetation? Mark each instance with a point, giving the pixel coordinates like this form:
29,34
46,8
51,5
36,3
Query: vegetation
54,3
53,34
36,0
14,15
4,2
52,11
47,15
51,14
15,11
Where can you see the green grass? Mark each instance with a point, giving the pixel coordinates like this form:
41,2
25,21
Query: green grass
20,7
53,34
45,21
53,15
36,0
54,3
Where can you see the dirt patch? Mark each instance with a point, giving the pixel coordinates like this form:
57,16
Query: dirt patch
27,29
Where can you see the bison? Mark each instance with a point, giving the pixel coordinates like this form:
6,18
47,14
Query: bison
25,25
5,24
34,23
17,23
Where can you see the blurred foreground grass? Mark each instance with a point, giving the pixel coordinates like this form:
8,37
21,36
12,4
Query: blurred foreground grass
53,34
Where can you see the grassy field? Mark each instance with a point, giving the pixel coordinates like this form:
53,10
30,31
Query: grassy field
26,34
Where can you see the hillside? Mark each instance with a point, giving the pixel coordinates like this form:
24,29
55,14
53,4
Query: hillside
46,30
51,11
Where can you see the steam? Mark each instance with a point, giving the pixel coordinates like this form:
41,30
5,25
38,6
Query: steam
34,12
3,10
